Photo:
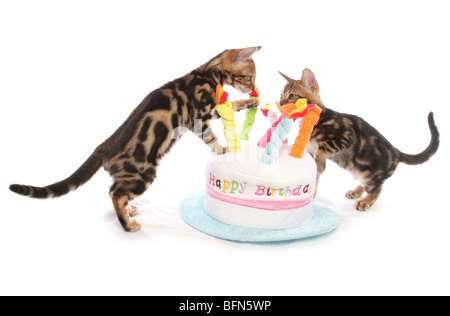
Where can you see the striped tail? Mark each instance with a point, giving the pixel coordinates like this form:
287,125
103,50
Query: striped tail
81,176
429,151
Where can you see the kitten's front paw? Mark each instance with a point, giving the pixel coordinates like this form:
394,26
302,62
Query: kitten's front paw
254,104
245,104
219,150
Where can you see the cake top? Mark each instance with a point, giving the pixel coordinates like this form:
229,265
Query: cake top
276,136
248,162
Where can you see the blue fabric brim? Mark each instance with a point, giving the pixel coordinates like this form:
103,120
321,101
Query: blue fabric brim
192,210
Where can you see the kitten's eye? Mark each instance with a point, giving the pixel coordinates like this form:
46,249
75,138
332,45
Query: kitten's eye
249,78
293,96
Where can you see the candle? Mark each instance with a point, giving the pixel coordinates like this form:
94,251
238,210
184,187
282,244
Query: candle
250,117
225,110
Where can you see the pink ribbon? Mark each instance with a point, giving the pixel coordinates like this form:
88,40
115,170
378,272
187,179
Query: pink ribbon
264,205
268,135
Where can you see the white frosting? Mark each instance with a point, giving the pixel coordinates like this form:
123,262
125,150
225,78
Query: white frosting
243,191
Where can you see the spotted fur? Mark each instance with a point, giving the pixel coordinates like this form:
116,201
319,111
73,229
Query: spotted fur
353,143
132,154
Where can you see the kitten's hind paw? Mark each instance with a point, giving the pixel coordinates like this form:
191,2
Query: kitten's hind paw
355,194
132,210
364,204
133,226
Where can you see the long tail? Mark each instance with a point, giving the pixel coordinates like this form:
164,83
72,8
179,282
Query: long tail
427,153
81,176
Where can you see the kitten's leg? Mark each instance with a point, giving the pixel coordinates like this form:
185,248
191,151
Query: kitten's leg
120,203
320,156
373,193
324,150
122,192
245,104
209,138
356,193
317,185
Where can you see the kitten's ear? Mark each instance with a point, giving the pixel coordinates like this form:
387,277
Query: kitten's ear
245,54
288,79
308,79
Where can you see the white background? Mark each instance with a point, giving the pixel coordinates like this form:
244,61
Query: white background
72,71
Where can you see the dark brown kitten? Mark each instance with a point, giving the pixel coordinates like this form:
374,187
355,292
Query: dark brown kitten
353,143
132,154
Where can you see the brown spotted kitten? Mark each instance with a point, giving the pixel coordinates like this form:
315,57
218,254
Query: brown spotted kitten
353,143
132,154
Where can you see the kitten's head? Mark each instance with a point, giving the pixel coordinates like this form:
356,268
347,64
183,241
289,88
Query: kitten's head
239,68
305,88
